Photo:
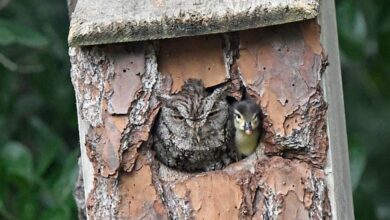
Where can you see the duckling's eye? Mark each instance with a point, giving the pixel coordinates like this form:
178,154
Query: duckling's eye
237,116
255,118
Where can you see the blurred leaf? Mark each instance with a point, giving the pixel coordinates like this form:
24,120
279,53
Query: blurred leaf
364,205
18,160
3,135
358,160
27,105
22,35
8,63
4,212
29,37
65,184
385,27
352,29
58,213
6,36
27,205
49,144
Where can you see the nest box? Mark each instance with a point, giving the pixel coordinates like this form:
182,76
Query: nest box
126,53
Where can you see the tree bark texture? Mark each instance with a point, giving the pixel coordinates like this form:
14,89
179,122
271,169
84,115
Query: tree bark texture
280,67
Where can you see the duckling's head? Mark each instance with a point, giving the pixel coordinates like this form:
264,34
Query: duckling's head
246,116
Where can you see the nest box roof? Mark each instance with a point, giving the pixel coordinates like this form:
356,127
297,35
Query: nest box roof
114,21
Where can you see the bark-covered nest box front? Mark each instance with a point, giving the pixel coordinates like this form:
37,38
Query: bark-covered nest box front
129,56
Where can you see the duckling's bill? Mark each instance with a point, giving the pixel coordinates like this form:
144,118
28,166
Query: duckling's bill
248,128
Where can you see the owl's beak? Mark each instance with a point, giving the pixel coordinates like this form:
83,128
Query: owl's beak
248,128
198,138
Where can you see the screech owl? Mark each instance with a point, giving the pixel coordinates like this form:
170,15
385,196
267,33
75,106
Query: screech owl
191,128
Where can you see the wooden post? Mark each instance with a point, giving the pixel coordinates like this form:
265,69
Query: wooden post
300,168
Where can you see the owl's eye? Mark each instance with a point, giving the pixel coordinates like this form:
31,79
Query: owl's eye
178,117
213,113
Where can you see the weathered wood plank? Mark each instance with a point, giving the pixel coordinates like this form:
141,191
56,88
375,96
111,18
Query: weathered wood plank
102,21
337,169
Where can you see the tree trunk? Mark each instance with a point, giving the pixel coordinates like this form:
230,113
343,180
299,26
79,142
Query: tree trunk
279,66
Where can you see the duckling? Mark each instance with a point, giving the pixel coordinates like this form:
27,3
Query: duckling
246,117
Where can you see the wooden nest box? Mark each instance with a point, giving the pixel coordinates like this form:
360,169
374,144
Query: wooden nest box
126,53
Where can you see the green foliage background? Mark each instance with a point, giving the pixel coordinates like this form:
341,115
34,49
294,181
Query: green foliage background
38,126
364,38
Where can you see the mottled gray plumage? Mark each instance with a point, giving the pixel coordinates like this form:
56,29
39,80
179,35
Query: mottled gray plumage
190,130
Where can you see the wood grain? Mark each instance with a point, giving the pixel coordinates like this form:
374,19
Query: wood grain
102,21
